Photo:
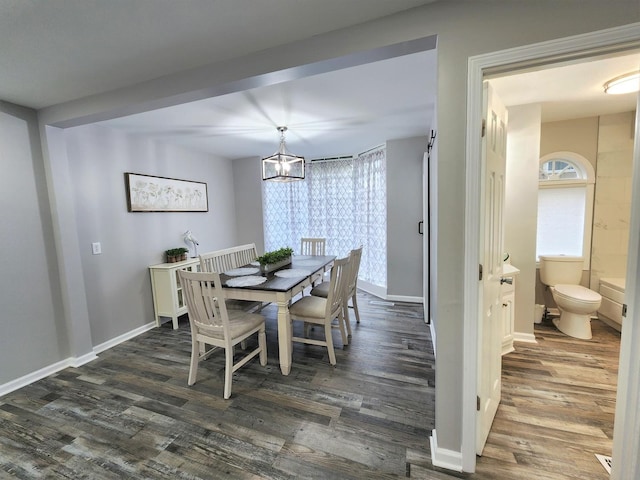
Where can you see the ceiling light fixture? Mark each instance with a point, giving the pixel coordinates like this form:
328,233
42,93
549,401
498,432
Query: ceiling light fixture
283,166
627,83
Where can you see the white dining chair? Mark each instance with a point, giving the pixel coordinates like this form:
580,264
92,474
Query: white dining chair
351,287
312,246
322,311
228,259
211,324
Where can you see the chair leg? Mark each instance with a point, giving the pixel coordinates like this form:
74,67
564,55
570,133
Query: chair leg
228,372
347,320
195,358
329,339
343,333
355,307
262,343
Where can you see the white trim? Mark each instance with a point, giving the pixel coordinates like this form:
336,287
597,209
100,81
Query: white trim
45,372
432,329
405,298
123,338
73,362
376,290
524,337
76,362
626,441
575,159
442,457
553,50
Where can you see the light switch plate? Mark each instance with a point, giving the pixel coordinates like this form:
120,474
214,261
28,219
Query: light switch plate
96,248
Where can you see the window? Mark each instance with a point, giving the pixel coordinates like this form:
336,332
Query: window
343,200
565,205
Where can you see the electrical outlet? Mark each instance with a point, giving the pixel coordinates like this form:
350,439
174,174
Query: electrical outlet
96,248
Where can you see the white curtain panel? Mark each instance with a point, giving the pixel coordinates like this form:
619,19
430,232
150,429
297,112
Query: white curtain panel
342,200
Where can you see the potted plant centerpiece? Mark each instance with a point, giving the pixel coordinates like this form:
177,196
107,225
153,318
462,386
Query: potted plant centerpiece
176,254
276,259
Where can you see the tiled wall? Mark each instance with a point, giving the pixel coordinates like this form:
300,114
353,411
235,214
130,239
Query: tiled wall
612,206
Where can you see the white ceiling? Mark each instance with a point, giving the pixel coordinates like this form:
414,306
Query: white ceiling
56,51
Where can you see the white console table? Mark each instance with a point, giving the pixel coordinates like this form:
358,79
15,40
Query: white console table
168,300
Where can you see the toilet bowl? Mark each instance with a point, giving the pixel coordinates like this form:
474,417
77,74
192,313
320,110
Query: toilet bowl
576,303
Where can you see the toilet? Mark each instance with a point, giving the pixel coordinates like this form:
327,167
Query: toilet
576,303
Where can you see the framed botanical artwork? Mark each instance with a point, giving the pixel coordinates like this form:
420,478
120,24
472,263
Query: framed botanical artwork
148,193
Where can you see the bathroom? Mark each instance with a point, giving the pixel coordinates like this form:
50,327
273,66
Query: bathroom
606,141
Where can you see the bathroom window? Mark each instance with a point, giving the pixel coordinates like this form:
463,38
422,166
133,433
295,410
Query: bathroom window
565,205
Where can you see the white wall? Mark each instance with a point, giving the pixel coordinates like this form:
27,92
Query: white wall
521,209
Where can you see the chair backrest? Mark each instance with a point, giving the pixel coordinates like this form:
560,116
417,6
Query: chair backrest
354,268
223,260
312,246
206,307
339,277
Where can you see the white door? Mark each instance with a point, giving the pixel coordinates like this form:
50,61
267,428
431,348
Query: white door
494,144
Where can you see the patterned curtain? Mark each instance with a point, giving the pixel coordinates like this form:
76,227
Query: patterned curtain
370,214
342,200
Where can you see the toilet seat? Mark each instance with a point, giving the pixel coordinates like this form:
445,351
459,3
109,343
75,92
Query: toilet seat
577,293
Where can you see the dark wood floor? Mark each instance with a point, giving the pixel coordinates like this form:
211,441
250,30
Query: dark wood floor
130,414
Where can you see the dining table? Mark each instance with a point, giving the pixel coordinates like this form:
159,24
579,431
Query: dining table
249,282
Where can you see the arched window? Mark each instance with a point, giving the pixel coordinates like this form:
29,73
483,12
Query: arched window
565,205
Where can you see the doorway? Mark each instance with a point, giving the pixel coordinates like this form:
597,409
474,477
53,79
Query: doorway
574,49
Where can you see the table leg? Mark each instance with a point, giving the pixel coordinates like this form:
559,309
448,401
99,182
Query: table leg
284,336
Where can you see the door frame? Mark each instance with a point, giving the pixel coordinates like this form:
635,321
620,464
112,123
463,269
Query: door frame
570,48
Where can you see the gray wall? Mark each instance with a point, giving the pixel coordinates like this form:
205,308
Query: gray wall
117,283
464,29
404,211
34,333
247,186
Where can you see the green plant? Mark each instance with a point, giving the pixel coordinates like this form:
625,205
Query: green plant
275,256
176,252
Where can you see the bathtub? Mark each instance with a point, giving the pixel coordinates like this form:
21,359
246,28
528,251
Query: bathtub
612,291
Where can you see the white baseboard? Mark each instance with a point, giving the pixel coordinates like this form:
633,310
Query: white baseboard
442,457
404,298
45,372
74,362
123,338
524,337
376,290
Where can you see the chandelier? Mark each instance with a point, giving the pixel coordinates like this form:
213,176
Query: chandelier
283,166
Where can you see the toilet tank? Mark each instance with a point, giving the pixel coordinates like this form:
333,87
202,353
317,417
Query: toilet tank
560,269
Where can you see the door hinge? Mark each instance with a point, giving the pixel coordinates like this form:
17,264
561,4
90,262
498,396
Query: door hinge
624,310
480,272
484,128
478,403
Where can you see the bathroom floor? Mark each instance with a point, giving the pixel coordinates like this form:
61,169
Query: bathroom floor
557,409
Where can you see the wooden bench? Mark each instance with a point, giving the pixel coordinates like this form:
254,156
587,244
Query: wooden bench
221,261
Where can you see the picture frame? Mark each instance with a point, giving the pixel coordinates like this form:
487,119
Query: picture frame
150,193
